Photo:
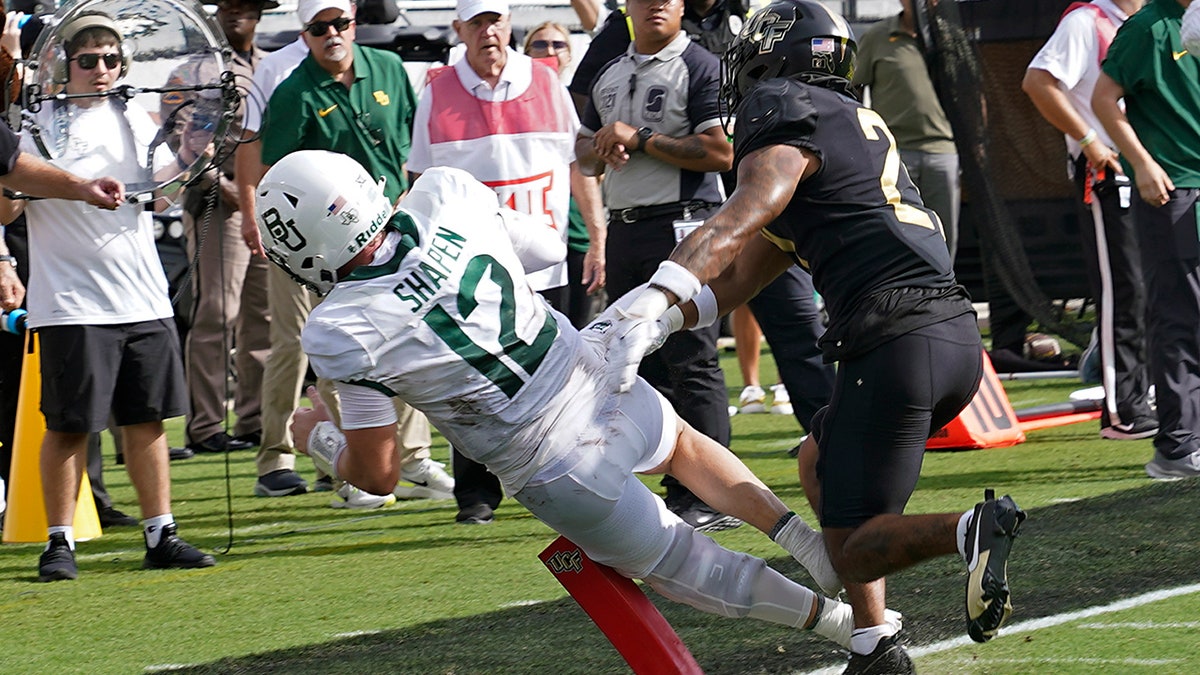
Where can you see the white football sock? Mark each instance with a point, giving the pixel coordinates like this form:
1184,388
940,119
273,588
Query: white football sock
152,527
66,530
807,546
960,533
864,640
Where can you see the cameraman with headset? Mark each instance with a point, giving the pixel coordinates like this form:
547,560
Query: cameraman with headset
99,301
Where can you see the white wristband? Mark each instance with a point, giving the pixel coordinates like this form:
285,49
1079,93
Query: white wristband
706,307
677,279
673,318
326,443
1088,138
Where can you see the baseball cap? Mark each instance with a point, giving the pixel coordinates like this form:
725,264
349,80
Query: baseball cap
307,9
469,9
266,4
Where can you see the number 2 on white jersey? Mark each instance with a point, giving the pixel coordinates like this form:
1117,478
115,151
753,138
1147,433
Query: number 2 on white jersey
527,355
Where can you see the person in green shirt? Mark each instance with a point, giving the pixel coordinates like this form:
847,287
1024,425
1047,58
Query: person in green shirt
344,98
1158,133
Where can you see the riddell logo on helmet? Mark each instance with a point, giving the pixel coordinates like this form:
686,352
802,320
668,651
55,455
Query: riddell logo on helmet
361,239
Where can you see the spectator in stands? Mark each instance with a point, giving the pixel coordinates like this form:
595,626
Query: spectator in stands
509,122
102,351
1060,80
229,285
354,100
549,42
1158,133
652,126
892,67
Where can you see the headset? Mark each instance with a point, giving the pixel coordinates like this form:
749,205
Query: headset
77,25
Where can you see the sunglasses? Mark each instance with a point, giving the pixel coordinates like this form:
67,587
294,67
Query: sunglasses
319,28
90,61
559,45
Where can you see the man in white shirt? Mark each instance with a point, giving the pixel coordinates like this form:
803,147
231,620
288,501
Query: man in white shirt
98,298
1059,81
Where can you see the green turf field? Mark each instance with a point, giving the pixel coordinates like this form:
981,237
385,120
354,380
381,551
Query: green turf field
1105,577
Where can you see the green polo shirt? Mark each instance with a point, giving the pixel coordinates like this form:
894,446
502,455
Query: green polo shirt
1162,89
371,121
890,62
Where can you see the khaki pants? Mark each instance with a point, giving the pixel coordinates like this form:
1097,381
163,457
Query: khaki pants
229,311
284,375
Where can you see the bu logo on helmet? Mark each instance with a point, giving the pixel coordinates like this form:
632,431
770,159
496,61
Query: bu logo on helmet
282,231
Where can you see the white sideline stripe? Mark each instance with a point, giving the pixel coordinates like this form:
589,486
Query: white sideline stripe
520,603
1039,624
357,633
168,667
1076,660
1143,625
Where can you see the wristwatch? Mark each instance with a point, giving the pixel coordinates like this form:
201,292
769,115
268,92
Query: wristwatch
643,135
11,260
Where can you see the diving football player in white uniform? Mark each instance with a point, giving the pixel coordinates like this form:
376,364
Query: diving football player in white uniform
430,303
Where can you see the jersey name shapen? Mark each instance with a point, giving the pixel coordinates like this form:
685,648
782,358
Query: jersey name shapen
432,270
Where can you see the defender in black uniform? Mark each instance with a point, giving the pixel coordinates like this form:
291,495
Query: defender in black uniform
820,178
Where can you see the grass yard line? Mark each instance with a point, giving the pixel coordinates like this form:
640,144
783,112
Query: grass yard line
1143,625
1042,623
1068,660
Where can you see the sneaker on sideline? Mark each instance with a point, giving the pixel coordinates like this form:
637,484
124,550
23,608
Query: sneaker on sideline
280,483
350,497
476,514
110,516
425,479
989,541
753,400
173,552
57,562
1163,468
781,402
1144,427
323,484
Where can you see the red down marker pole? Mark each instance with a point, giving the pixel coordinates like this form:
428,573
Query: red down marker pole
622,612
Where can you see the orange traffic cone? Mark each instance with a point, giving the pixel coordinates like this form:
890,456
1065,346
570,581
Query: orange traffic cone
25,519
987,422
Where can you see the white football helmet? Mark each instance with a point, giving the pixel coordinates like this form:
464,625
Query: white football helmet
316,210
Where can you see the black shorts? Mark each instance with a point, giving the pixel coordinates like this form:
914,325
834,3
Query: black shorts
885,405
133,371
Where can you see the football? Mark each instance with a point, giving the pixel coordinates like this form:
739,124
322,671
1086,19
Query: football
1042,347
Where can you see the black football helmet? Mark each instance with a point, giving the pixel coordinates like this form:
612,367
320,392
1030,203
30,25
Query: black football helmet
788,38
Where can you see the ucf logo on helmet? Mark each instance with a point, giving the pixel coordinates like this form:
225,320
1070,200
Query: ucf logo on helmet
767,29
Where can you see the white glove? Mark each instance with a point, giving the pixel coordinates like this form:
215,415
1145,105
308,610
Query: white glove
1189,31
639,329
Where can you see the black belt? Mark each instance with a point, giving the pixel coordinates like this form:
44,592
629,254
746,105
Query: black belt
674,210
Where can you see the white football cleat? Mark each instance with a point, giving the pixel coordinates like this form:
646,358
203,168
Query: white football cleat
424,479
